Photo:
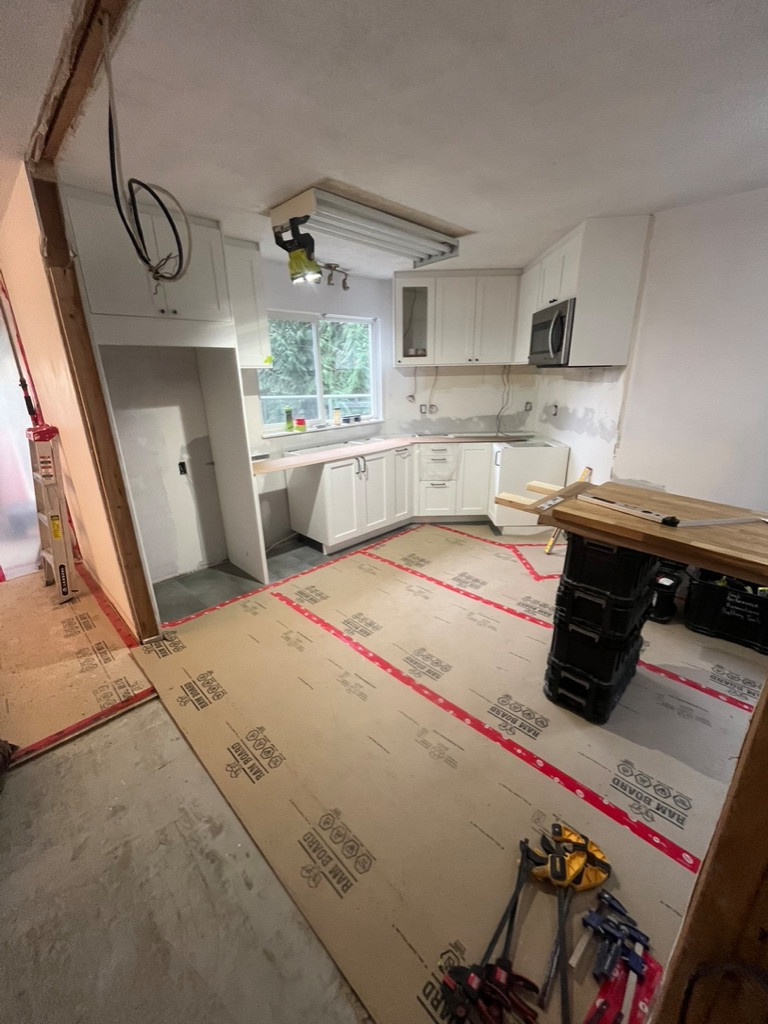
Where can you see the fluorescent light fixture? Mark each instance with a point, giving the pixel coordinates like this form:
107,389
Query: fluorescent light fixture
337,217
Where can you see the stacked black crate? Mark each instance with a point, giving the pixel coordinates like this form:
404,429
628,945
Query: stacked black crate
603,600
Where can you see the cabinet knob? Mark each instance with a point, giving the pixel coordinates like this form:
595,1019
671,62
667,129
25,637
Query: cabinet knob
174,311
162,310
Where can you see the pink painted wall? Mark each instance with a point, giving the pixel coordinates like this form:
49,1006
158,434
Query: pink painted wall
33,306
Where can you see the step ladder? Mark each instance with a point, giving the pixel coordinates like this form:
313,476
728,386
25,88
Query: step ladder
55,537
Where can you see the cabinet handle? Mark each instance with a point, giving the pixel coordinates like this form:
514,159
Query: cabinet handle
162,310
552,300
402,451
439,449
438,485
174,311
497,459
438,460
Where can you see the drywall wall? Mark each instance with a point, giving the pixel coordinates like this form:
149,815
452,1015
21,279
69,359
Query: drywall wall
696,418
35,313
160,420
581,408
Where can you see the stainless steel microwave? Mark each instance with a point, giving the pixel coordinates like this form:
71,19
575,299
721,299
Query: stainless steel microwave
551,334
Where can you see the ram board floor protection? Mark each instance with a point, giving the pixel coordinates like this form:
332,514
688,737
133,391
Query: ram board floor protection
378,724
64,668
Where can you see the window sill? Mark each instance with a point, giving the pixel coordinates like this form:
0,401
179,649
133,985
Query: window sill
320,430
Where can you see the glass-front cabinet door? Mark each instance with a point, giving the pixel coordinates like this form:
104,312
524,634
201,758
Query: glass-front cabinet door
414,320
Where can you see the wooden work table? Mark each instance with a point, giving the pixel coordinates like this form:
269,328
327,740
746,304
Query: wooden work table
737,550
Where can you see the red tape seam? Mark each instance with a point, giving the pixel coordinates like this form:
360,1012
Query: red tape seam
648,835
726,698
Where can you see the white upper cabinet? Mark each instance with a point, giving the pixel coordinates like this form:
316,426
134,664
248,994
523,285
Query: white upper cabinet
414,320
201,294
115,281
600,265
560,271
246,293
454,318
530,292
118,288
495,318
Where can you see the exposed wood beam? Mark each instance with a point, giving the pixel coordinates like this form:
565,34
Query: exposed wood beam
74,75
93,406
727,918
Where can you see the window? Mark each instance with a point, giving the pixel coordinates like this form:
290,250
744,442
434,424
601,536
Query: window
318,365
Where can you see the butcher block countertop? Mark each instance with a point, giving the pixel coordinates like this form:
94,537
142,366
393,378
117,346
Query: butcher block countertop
311,457
735,550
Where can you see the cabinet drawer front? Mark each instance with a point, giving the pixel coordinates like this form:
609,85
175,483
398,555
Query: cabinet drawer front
437,470
437,498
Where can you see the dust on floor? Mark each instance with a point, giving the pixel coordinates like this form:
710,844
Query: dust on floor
378,725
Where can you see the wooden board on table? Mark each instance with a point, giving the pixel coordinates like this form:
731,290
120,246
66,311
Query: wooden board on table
736,550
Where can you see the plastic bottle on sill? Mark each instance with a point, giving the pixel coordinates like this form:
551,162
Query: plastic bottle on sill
337,417
288,418
300,424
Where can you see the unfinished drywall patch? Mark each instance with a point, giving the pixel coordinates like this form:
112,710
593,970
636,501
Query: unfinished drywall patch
695,417
35,313
580,408
162,429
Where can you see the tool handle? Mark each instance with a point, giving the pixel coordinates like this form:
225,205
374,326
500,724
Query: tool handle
565,1002
606,959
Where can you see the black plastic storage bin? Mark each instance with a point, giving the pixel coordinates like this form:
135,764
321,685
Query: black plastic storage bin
615,616
615,571
727,610
586,650
586,696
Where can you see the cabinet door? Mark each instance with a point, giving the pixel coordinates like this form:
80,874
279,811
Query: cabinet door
570,252
202,293
115,280
246,294
437,498
495,318
455,320
343,498
402,484
414,320
377,507
474,479
530,289
551,279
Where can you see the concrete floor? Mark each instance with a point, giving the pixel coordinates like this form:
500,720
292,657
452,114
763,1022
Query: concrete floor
132,895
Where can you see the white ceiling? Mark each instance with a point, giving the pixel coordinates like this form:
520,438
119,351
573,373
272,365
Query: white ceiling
515,120
31,32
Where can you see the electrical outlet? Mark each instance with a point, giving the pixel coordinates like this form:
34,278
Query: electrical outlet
432,410
529,406
423,409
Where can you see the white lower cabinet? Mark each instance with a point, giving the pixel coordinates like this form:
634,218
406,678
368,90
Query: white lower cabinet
473,479
402,484
437,497
339,501
375,492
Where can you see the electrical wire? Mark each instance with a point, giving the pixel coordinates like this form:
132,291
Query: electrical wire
430,407
126,196
506,390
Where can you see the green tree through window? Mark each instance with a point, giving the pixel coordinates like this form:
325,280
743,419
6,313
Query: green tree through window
317,366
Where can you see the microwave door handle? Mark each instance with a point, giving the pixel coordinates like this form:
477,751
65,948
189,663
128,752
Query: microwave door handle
549,337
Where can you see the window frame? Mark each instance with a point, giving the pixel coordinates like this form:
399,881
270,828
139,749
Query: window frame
375,361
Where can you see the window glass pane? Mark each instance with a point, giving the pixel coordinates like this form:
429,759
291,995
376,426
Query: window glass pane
290,381
345,359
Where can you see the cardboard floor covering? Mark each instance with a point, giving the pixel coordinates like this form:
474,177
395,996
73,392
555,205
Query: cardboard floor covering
378,724
64,668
